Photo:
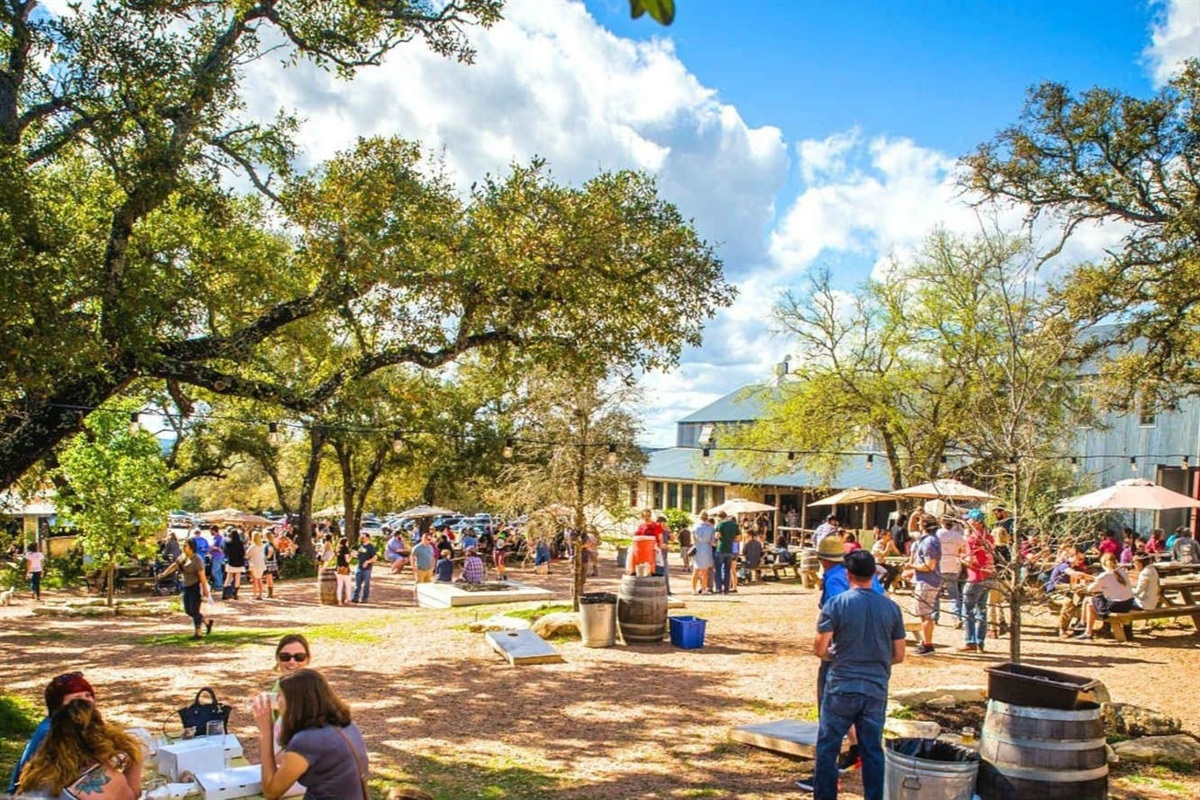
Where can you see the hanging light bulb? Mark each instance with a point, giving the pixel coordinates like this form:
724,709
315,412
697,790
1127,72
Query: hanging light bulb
706,455
1185,463
791,455
273,433
870,461
1074,464
1133,467
612,455
133,423
507,452
943,458
397,442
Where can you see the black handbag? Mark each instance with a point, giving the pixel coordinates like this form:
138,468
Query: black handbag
198,714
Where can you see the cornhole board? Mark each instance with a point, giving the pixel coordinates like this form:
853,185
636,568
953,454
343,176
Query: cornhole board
789,736
447,595
523,647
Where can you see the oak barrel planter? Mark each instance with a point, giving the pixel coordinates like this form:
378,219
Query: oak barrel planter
642,609
1042,753
327,586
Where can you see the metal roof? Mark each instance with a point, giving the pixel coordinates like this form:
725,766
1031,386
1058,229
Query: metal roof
740,405
686,464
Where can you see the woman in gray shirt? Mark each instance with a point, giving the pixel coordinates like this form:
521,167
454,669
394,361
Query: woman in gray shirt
322,749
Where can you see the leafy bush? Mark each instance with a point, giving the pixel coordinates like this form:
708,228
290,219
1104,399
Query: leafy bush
65,570
298,566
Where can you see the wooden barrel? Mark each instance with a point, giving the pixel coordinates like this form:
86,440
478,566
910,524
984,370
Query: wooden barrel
1042,754
808,560
327,586
642,609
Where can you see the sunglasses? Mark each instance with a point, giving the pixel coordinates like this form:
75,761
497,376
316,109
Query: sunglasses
299,658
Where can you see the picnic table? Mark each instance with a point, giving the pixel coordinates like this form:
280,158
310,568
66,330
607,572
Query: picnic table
1185,586
1175,568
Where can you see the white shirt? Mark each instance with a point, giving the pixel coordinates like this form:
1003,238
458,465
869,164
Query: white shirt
954,547
35,561
1146,588
823,530
1106,583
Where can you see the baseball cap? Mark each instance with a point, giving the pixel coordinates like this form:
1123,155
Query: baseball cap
860,563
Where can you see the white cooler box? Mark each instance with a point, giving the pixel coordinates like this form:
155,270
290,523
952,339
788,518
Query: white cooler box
202,754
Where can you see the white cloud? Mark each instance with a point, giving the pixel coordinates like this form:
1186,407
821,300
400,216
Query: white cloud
1174,36
549,81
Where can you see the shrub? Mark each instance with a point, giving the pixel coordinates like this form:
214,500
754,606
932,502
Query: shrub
298,566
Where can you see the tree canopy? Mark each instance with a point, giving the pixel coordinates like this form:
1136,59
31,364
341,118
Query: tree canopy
1110,158
127,256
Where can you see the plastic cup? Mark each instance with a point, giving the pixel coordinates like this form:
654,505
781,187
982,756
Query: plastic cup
968,735
214,727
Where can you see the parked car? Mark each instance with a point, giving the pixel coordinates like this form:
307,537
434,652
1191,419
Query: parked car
371,526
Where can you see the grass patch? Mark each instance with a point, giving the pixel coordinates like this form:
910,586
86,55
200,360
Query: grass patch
236,637
491,779
904,712
536,613
700,792
804,711
18,718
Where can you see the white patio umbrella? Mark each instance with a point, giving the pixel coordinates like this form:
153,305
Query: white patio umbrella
944,489
1133,493
220,515
740,505
427,511
855,495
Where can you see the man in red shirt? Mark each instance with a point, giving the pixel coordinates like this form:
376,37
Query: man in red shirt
980,561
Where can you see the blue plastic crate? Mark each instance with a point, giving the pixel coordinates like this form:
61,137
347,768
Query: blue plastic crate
687,632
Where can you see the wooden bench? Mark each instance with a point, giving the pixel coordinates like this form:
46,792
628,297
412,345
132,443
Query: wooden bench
1118,621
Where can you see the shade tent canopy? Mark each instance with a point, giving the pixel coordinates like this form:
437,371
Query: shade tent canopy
851,496
427,511
740,505
332,511
220,515
944,489
1134,493
235,517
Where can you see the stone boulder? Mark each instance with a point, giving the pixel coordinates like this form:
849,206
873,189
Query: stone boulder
1130,720
1177,749
556,624
499,622
146,610
912,728
1098,695
913,698
944,701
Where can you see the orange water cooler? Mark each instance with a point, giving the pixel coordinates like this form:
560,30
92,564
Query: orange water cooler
641,552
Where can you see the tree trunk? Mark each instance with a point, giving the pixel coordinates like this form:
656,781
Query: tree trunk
308,487
345,458
1018,582
112,575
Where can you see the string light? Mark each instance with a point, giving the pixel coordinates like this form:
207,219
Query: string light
944,458
1133,467
612,455
706,454
791,455
397,442
1074,464
870,461
133,424
1185,464
273,433
507,452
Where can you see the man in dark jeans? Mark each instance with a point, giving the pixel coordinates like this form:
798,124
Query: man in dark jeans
366,554
862,634
727,531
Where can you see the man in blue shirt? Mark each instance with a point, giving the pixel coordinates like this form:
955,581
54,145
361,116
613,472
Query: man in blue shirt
861,634
925,572
62,690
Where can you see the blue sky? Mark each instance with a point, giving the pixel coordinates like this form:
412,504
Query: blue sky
800,134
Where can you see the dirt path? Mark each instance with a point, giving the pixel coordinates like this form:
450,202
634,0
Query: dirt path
442,711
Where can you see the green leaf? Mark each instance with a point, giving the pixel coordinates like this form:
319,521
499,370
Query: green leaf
663,11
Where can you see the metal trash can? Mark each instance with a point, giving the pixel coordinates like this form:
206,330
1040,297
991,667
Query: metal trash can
598,619
927,769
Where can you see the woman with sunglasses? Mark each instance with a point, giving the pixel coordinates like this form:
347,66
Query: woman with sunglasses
195,585
323,750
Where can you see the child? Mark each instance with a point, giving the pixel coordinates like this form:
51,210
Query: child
541,557
444,569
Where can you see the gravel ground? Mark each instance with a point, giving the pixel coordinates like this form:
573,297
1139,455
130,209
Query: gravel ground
442,711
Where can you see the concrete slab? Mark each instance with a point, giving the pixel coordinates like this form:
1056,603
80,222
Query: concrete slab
448,595
523,647
790,736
